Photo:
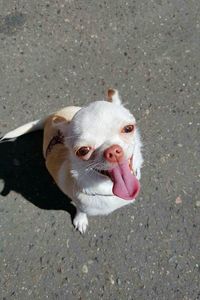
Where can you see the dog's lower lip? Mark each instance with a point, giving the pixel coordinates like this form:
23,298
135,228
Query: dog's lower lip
102,172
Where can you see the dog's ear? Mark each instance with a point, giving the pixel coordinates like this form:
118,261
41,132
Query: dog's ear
56,120
113,96
59,122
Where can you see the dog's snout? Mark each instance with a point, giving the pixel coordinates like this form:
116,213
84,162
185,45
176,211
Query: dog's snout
114,154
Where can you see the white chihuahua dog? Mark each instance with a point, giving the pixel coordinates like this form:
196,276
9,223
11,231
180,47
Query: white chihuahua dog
94,155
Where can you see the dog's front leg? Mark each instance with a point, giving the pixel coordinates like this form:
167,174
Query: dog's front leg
80,221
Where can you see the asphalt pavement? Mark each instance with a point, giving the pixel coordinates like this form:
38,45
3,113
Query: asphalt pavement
58,53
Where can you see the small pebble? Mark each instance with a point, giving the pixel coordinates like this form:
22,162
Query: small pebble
112,280
178,200
85,269
197,203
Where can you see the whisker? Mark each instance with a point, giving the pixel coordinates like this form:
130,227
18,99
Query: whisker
98,165
71,136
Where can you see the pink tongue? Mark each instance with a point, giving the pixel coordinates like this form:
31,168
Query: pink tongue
125,184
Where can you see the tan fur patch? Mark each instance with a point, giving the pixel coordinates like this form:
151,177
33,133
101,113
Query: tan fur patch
110,94
59,152
55,159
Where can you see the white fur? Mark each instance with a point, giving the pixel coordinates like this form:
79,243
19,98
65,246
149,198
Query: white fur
98,126
80,221
115,98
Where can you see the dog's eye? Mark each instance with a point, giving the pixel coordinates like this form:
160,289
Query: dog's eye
128,128
83,151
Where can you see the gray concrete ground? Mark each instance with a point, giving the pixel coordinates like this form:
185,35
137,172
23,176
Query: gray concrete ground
56,53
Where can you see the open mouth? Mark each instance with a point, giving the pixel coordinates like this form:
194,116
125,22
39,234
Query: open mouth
102,172
125,183
106,172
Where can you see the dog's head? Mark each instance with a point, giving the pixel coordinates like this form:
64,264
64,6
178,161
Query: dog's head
101,138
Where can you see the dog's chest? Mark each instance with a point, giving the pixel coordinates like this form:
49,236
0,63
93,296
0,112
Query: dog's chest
100,204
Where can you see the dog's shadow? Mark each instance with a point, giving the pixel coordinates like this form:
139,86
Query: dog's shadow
22,169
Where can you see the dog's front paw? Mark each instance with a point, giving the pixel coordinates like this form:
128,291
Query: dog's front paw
80,222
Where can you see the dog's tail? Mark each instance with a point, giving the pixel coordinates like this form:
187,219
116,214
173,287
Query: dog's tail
26,128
